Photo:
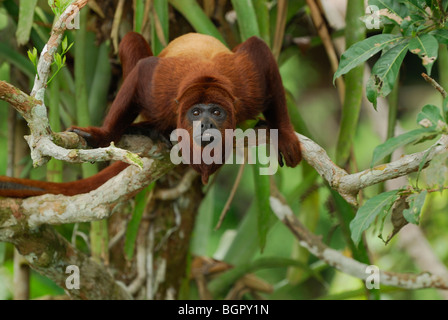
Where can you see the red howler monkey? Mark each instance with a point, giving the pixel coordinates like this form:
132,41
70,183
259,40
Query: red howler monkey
195,78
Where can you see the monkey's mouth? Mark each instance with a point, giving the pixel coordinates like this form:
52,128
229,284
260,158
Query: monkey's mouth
204,139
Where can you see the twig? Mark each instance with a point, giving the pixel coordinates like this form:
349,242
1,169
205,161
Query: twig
116,24
183,186
435,84
282,12
322,30
47,55
231,195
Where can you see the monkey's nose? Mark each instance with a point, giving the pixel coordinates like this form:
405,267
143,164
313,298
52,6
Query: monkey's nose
207,125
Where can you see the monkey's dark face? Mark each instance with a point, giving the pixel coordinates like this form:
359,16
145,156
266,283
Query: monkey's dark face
205,118
206,110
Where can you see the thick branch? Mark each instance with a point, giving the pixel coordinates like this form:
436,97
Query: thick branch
17,214
48,144
50,254
348,185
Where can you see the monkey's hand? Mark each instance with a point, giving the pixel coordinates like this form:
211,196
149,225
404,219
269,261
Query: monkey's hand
95,137
289,148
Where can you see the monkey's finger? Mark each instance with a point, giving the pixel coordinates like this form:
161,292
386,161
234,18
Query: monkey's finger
81,133
280,159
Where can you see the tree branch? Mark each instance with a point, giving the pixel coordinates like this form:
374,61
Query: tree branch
348,185
334,258
47,56
17,214
50,254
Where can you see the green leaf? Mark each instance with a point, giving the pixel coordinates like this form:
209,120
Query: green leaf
385,72
374,207
58,59
416,202
441,35
416,5
64,44
133,226
191,10
262,194
247,19
394,143
59,6
364,50
430,112
32,55
26,20
445,108
427,48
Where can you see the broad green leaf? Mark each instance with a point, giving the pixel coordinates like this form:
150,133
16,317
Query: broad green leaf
416,5
441,35
133,226
26,19
364,50
445,108
385,72
427,48
247,19
160,27
191,10
430,112
373,208
394,143
59,6
416,202
262,193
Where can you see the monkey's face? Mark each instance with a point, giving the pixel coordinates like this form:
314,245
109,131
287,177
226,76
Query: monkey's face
206,124
207,121
206,110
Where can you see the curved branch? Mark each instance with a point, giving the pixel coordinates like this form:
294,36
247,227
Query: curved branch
47,55
51,254
334,258
19,214
348,185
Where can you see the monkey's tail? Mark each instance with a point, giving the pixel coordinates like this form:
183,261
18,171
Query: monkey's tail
24,188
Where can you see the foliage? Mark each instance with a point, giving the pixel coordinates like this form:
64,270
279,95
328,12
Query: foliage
251,239
416,26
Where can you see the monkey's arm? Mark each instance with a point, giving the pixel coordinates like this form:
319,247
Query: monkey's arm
275,109
125,108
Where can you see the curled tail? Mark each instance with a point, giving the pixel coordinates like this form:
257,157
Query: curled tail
24,188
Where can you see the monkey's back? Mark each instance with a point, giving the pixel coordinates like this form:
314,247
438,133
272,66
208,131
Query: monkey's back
194,45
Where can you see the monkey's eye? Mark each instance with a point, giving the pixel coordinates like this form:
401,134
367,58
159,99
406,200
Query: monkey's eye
216,113
196,112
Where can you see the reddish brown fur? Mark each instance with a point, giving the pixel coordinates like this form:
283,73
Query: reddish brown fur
23,188
245,82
